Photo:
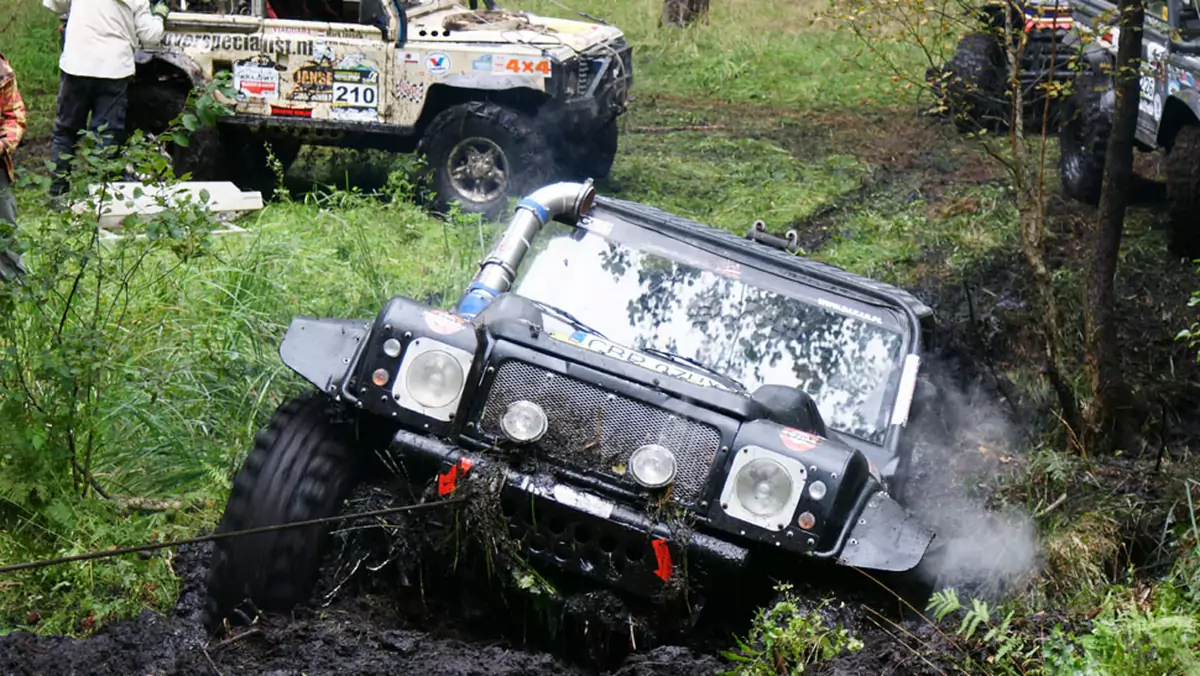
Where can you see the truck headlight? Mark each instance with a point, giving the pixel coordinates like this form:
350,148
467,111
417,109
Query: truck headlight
524,422
652,466
763,487
431,378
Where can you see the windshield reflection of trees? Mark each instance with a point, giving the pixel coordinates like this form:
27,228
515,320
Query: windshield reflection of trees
760,337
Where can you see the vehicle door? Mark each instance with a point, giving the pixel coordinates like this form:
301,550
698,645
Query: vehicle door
1152,83
329,71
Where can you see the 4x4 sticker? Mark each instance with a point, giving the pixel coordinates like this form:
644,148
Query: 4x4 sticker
601,346
512,65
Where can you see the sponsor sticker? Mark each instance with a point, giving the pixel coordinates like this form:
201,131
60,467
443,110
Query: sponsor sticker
584,502
858,314
437,63
412,57
483,64
290,111
798,440
444,323
516,65
256,79
631,356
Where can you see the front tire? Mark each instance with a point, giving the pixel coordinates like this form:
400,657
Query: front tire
1183,190
303,466
481,153
593,157
1083,142
974,88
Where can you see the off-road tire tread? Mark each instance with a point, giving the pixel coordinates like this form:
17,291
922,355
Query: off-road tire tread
975,85
594,157
302,466
1083,142
1182,165
529,155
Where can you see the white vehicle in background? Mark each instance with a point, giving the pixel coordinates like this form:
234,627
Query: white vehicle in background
497,100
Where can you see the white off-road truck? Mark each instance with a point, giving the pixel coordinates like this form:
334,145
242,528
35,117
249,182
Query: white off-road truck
496,100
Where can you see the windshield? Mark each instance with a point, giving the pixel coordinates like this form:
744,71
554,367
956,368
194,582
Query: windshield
687,302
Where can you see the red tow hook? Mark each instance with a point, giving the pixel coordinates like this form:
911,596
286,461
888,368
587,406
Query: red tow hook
448,480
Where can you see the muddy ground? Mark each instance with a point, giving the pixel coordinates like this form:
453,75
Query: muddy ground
388,623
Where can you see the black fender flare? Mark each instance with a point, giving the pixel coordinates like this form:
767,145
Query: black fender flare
885,536
177,60
324,351
1175,115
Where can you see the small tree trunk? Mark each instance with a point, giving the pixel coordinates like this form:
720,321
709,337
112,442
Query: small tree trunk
1030,190
1104,428
683,12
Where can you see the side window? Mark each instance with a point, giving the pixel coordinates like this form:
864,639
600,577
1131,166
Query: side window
1157,10
373,13
307,10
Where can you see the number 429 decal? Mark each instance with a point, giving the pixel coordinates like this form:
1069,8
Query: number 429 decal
524,66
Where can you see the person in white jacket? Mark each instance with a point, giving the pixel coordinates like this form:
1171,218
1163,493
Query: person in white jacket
97,64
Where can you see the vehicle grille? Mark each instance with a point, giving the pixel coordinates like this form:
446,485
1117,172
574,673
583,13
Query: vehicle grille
1041,54
595,430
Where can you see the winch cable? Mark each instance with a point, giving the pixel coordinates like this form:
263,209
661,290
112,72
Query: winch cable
218,536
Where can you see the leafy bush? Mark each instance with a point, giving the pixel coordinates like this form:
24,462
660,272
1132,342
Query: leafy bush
783,639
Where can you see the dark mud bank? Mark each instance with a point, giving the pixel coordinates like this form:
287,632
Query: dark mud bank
358,635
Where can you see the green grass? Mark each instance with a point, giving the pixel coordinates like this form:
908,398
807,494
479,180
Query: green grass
29,40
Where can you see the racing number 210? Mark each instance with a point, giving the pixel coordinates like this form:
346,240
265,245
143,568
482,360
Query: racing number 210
354,94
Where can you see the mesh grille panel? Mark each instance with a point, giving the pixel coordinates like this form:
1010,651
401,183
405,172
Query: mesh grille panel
597,430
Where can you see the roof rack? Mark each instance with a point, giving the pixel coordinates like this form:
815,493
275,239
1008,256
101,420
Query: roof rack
790,242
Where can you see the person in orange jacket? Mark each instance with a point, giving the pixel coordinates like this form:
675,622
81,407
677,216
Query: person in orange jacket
12,129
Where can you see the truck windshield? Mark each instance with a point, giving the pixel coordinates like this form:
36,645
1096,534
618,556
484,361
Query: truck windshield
701,307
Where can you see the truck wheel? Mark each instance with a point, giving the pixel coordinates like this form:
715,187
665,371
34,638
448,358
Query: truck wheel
594,157
303,465
1183,189
481,152
974,88
1083,142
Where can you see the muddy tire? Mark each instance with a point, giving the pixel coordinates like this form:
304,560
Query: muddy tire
974,87
1083,141
303,466
480,153
594,157
1183,190
221,154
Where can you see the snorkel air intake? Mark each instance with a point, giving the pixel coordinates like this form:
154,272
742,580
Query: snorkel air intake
568,201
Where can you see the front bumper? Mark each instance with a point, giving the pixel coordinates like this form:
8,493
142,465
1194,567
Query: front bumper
596,90
578,531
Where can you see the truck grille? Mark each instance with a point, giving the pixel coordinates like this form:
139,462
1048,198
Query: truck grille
596,431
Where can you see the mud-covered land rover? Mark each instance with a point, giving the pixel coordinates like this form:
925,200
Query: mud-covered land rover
973,85
654,403
494,98
1168,106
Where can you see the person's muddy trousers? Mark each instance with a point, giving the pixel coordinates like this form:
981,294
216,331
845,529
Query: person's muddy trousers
106,101
11,265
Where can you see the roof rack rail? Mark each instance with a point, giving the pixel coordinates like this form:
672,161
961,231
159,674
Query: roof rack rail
790,242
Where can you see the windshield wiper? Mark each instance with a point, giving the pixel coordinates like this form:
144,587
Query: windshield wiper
677,358
567,317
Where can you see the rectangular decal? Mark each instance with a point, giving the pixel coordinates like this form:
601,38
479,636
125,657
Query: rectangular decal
255,79
631,356
519,65
239,43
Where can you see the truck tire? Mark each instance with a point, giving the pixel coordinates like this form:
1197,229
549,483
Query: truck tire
593,158
220,154
974,89
1183,189
481,152
1083,141
303,466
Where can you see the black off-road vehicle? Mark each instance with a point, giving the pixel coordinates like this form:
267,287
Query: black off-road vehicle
1168,105
973,86
724,399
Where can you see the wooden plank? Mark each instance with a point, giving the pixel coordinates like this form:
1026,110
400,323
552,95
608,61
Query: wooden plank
224,198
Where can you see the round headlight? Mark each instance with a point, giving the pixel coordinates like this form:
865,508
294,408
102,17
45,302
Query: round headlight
524,421
763,487
434,379
652,466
